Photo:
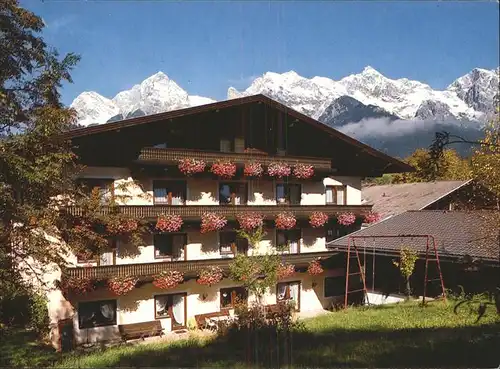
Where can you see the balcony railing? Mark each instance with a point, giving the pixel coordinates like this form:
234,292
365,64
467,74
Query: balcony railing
172,156
189,268
194,212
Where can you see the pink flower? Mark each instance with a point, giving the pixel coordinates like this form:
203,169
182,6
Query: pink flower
372,217
346,219
285,220
303,171
278,170
318,219
169,223
211,222
119,226
121,285
253,169
168,279
210,276
315,268
285,271
250,220
190,166
224,169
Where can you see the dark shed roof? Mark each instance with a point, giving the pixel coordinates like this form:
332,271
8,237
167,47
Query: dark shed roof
457,233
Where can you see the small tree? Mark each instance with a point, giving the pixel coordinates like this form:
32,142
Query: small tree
257,273
406,265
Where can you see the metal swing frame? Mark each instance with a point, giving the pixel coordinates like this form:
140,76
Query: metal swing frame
351,244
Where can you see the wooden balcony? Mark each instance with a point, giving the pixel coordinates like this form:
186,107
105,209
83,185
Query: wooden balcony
194,212
189,268
151,155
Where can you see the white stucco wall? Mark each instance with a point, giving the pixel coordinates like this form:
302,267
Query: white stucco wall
353,187
138,305
204,191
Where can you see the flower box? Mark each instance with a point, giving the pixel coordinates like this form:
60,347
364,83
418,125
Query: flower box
121,226
210,276
315,268
169,223
285,220
122,285
250,220
372,217
303,171
211,222
318,219
79,286
285,271
253,169
168,279
224,169
346,219
278,170
191,166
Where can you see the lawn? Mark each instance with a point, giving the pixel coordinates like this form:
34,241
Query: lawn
391,336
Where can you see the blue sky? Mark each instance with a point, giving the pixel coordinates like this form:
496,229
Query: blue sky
208,46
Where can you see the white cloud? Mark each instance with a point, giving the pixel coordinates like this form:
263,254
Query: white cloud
377,127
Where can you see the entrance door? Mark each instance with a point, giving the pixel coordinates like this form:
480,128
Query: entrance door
66,336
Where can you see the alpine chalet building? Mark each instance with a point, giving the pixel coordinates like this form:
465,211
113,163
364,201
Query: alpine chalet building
213,164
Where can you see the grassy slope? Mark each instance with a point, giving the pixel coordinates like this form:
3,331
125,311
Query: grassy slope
391,336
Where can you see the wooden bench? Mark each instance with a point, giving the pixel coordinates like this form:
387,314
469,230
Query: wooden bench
201,319
140,330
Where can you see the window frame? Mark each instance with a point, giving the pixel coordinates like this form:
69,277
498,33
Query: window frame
233,295
334,189
171,236
246,193
235,243
170,313
342,278
169,197
98,303
287,193
297,308
286,232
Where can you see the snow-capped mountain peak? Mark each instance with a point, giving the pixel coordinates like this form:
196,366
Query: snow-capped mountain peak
92,107
157,93
401,97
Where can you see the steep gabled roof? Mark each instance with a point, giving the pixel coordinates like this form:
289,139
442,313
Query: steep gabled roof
457,233
394,164
393,199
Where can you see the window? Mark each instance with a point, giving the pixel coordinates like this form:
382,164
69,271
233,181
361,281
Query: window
287,193
173,307
170,246
169,192
230,297
289,291
231,244
226,145
335,195
96,313
103,187
229,145
289,238
233,193
239,144
335,231
334,286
